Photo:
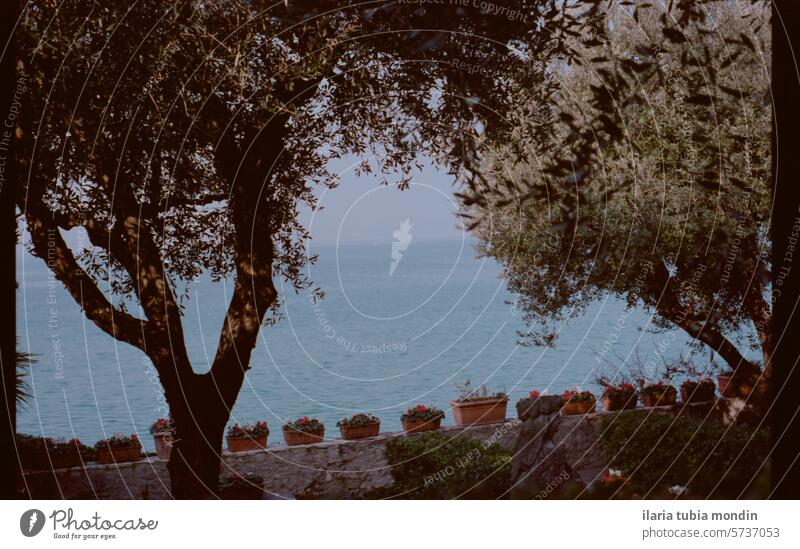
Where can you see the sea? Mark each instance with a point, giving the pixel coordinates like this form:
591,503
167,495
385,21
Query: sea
396,328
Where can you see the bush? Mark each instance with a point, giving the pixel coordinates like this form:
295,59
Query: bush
41,454
654,450
439,466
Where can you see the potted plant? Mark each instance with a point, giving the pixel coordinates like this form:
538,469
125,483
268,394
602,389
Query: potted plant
578,402
65,454
619,397
243,438
476,406
724,381
698,390
422,418
658,394
118,448
162,430
304,430
359,426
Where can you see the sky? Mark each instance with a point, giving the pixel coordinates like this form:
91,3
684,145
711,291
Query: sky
363,210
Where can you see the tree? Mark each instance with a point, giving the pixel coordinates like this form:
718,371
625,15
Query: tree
183,137
651,222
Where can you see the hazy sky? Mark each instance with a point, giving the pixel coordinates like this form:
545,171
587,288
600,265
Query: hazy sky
362,210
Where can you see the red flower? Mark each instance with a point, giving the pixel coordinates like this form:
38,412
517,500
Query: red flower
303,421
420,407
534,394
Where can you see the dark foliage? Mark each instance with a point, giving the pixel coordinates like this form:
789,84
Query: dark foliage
441,466
709,458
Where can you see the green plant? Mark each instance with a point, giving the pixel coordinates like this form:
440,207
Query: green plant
162,426
37,453
575,395
439,466
118,441
623,391
357,419
658,390
709,458
698,389
24,363
248,430
304,424
469,394
420,412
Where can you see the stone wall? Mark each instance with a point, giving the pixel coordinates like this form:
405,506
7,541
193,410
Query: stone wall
332,469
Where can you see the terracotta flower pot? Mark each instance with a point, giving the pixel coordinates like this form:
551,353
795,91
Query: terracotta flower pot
163,443
490,410
573,408
725,388
246,444
295,438
418,425
616,404
651,400
353,432
700,394
120,454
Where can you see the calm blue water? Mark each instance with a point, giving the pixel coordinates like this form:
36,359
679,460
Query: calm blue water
377,343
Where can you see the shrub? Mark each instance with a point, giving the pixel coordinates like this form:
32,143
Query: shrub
440,466
654,450
33,451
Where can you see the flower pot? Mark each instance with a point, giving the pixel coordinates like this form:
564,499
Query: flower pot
246,444
616,404
295,438
725,388
651,400
353,432
489,410
580,407
420,425
163,443
700,394
119,454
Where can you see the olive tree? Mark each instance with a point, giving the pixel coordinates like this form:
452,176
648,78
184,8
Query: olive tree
674,215
183,138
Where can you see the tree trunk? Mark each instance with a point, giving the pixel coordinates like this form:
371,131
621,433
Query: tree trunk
199,413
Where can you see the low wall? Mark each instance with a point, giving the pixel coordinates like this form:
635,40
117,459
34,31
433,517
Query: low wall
331,469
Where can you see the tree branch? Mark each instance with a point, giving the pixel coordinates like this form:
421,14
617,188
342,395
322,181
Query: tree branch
51,247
